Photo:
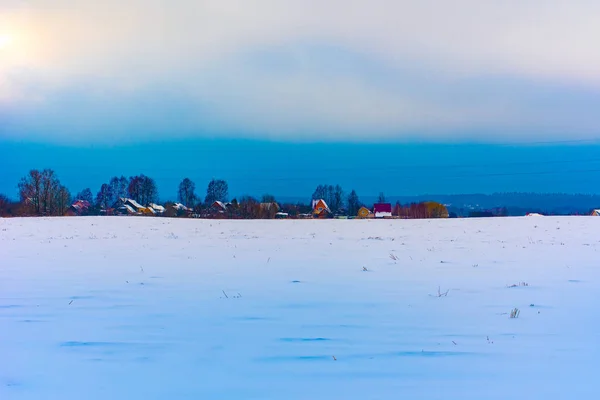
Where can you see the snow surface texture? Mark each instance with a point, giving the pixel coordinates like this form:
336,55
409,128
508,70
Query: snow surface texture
153,308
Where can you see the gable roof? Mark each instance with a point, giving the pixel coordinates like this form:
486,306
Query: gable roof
219,204
179,206
129,208
157,207
132,203
316,202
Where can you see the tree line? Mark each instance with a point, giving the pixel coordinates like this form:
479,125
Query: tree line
42,194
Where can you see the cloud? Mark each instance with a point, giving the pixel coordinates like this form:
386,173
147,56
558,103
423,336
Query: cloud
333,70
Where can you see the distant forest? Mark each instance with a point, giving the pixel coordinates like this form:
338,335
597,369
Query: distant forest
42,194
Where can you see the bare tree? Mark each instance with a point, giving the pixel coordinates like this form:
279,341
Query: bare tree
50,188
5,206
62,200
249,207
142,189
186,193
39,191
149,190
104,198
268,198
337,199
118,188
217,190
321,192
353,203
333,196
86,195
30,191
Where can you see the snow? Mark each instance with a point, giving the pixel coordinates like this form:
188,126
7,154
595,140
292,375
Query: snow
157,208
179,206
157,308
134,203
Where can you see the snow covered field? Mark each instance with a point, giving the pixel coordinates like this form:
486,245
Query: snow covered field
154,308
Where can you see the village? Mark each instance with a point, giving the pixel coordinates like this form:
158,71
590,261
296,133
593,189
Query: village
272,210
318,209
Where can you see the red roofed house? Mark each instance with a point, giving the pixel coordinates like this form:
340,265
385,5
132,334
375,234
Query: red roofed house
382,210
79,207
320,209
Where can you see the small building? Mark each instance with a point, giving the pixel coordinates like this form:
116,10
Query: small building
180,207
78,208
382,210
218,206
363,212
156,208
282,215
534,215
596,213
126,206
320,209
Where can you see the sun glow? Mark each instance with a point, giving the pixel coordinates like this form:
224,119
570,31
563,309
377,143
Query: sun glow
5,41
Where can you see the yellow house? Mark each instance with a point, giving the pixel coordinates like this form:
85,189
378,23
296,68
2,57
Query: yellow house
363,212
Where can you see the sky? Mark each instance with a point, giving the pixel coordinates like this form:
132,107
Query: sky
94,80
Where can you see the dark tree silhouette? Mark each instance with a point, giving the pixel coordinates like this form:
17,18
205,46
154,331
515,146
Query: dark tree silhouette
186,193
249,207
39,191
62,200
118,188
142,189
104,198
353,203
333,196
381,198
217,190
268,198
85,194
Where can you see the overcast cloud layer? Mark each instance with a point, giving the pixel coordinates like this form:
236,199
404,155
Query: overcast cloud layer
115,71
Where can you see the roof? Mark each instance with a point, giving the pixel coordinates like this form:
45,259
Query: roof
157,207
596,212
317,201
81,205
129,208
534,215
133,203
382,207
180,206
220,204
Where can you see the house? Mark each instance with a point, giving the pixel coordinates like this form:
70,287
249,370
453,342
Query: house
320,209
79,207
282,215
363,212
534,215
158,209
126,206
180,207
219,206
382,210
596,213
